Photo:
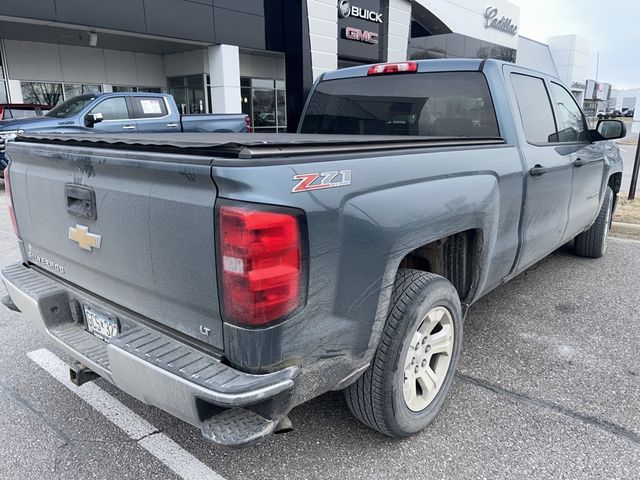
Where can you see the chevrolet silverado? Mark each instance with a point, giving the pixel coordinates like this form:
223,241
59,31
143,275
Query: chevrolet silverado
227,279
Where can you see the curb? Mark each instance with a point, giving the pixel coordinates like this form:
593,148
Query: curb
626,229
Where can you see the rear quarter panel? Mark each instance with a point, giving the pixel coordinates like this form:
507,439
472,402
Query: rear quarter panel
358,234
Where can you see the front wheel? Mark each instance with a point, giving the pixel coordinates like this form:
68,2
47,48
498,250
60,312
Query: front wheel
406,384
593,242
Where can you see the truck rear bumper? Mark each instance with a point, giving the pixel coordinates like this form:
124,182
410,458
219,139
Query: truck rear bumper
231,407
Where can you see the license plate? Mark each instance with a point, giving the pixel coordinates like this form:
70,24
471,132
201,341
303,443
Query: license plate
100,324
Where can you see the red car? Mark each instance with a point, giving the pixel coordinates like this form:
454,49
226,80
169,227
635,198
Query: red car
10,111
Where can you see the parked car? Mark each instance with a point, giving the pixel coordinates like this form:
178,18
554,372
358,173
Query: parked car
629,113
602,114
228,278
10,111
120,113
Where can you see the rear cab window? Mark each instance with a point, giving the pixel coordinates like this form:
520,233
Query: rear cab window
441,104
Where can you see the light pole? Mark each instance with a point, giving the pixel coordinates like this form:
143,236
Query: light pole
634,174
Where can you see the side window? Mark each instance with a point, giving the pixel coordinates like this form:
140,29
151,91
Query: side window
536,113
572,126
22,112
150,107
112,109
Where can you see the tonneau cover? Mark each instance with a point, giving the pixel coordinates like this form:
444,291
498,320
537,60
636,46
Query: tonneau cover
251,145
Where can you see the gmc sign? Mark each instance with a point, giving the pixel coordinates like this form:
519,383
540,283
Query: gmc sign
351,33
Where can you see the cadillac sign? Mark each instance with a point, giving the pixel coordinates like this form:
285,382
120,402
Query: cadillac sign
502,24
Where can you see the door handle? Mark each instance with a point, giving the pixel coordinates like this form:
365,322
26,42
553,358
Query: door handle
81,201
173,125
129,127
580,162
538,170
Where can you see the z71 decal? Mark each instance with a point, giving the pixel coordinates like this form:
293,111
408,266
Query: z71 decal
308,182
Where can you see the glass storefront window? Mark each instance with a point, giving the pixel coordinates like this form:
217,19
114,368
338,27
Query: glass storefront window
123,88
3,92
281,107
188,93
264,100
42,92
264,108
74,89
245,99
133,88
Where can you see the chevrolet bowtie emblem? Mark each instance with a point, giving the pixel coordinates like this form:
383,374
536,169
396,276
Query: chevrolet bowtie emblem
85,240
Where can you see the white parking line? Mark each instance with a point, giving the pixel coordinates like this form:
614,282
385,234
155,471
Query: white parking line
146,435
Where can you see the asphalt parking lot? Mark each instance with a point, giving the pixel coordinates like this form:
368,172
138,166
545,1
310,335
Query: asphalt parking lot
548,387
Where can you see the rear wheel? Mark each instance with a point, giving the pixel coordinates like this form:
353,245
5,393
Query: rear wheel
593,242
406,384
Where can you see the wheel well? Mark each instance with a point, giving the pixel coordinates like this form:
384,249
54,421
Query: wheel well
615,182
455,257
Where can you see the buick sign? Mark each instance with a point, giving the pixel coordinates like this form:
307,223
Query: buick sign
345,9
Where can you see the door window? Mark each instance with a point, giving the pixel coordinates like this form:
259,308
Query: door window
112,109
536,113
572,126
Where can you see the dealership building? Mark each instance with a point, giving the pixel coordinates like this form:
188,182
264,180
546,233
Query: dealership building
226,56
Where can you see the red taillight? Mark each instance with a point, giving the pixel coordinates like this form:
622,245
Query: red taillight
401,67
247,122
7,189
261,265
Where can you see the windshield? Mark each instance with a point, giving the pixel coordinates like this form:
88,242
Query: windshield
442,104
71,106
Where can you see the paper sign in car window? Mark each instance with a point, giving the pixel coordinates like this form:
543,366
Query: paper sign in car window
151,107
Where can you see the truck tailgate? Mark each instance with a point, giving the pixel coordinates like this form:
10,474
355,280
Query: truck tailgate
154,214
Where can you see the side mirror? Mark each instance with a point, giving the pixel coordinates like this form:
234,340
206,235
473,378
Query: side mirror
92,118
611,129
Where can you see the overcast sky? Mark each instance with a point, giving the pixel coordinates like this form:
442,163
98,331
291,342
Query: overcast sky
612,27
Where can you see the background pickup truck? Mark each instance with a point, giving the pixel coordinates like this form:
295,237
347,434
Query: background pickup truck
228,278
119,113
10,111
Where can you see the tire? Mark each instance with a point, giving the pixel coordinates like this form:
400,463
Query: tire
379,397
593,242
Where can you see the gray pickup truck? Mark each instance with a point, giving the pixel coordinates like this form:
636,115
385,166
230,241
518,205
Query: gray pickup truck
228,278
